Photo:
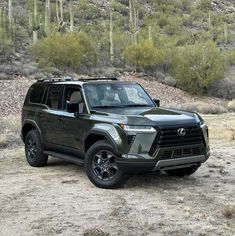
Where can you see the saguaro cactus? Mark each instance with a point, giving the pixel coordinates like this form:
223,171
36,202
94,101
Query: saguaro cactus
47,26
226,33
150,35
35,22
10,19
111,50
133,21
71,12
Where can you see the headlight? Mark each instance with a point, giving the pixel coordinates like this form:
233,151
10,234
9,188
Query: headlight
138,128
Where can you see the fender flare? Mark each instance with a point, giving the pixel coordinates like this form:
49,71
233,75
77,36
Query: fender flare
33,123
101,133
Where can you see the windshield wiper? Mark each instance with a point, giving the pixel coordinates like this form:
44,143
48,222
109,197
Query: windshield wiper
138,105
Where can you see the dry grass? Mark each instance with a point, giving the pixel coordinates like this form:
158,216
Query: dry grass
95,232
231,105
228,212
204,108
221,127
10,131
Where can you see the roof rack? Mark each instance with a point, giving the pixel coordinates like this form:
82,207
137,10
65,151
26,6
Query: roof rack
68,78
97,79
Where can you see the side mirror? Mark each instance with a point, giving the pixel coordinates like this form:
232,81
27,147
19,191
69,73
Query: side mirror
157,102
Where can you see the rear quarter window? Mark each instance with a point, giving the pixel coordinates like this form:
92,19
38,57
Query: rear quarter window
37,94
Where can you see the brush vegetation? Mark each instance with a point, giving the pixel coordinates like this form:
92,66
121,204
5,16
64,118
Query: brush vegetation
189,40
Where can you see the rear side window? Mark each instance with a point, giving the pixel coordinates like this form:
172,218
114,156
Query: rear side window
37,94
54,97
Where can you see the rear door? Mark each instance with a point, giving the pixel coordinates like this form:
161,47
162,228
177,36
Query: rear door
50,117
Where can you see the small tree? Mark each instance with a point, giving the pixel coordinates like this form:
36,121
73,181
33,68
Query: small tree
196,67
66,52
142,55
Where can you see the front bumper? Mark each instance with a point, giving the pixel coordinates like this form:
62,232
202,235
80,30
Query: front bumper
130,166
148,154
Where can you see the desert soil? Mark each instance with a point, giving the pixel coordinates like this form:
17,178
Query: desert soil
60,200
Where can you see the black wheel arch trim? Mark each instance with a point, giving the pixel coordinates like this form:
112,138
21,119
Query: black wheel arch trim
33,123
100,132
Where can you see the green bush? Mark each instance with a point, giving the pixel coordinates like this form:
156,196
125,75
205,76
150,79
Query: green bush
65,51
196,67
142,56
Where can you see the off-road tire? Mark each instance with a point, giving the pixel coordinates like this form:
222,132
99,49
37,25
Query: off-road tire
33,150
183,171
118,179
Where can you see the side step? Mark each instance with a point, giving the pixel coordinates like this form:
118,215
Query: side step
66,157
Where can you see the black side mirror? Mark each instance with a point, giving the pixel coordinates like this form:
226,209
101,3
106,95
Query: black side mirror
157,102
72,107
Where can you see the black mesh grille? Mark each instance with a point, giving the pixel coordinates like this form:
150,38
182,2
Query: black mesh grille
182,152
169,137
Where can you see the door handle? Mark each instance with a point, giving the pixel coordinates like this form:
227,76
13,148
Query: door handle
40,115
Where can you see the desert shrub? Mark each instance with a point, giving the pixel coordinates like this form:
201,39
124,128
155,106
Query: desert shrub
142,56
196,67
65,51
231,105
230,57
10,132
204,108
224,88
5,47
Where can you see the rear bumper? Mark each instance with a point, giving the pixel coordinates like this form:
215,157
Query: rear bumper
135,166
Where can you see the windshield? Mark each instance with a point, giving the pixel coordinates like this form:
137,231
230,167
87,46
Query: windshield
116,95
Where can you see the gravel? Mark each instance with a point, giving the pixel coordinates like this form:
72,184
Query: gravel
13,92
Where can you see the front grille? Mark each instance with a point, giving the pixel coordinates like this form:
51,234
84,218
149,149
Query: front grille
169,137
182,152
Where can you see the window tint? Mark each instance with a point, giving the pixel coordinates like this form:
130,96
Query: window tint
37,94
53,99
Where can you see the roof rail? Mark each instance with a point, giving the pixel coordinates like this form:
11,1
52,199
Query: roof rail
97,79
68,78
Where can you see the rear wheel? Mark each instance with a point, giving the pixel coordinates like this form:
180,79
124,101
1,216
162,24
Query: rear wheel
183,171
101,167
33,150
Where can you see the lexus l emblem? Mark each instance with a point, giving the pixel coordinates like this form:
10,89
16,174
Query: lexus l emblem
182,132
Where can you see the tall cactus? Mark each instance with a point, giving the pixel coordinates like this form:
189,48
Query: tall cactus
61,10
226,33
1,17
47,25
209,19
111,50
10,19
150,35
71,12
133,21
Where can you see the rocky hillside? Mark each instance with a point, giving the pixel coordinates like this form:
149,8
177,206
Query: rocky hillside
124,35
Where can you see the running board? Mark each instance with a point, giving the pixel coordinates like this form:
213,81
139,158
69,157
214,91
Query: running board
66,157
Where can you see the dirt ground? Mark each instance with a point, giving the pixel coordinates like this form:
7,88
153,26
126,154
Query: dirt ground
60,200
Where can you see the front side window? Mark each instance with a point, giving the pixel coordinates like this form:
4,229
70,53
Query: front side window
116,95
73,100
53,97
37,94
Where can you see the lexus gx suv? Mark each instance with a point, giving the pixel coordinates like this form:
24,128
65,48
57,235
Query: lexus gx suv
113,128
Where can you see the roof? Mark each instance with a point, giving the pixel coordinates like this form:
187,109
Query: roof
80,81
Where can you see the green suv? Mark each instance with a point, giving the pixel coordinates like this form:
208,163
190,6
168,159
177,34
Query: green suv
112,127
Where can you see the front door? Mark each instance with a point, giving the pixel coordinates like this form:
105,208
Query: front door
74,119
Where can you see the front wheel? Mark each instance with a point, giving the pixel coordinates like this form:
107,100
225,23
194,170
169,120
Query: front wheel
101,167
183,171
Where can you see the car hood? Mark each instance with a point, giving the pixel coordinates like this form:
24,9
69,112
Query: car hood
152,116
